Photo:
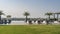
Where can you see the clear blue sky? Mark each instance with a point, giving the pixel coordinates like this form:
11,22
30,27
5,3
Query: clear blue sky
37,8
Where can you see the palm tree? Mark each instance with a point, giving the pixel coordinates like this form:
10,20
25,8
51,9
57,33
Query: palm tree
26,14
49,14
58,15
0,17
9,18
1,14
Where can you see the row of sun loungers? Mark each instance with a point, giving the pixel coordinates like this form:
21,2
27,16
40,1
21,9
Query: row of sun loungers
43,22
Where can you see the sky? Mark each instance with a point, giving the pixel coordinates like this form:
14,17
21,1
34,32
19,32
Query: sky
36,8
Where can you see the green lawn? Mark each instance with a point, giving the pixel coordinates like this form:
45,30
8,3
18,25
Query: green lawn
29,29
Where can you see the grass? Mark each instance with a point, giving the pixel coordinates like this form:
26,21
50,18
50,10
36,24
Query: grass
29,29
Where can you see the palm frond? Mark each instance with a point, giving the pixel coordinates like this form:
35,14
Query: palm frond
26,14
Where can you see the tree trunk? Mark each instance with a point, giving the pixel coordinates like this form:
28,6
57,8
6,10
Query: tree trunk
57,16
26,18
0,20
54,16
0,17
49,17
47,22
